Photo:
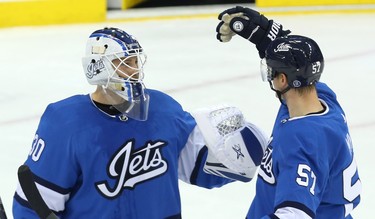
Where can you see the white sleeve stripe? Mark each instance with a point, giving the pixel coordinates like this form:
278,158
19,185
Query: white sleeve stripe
189,155
290,213
348,208
54,200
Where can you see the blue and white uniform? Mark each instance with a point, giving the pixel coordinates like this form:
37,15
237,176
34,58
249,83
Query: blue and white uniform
308,169
92,165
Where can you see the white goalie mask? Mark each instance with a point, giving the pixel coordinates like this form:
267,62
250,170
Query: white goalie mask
115,60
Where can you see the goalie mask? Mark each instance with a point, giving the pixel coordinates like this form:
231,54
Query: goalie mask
114,60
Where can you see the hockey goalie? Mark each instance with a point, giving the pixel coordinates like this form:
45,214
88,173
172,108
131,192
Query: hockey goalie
120,151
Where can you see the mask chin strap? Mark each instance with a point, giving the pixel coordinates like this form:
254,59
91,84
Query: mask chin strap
279,93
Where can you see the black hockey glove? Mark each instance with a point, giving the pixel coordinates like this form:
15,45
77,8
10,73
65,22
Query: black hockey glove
250,25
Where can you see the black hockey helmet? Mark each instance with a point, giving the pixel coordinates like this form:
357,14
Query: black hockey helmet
298,57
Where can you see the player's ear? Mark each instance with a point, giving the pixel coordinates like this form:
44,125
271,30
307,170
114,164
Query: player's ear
283,78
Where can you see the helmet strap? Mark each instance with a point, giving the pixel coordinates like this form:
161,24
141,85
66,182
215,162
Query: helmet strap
279,93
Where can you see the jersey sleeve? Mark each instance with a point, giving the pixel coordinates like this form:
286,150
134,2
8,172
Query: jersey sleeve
51,152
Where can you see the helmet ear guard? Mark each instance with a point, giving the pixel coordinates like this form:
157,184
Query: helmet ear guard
108,51
298,57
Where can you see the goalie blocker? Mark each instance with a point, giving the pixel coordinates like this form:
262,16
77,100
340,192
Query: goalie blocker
235,147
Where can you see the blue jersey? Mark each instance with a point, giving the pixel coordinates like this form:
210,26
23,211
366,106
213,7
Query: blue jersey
309,166
92,165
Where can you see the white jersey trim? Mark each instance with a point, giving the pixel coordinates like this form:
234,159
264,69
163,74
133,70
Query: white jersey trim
189,154
54,200
310,115
291,213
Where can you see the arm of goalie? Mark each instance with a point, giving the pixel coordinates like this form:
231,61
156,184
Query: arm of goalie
235,147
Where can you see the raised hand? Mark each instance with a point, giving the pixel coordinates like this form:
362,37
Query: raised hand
250,25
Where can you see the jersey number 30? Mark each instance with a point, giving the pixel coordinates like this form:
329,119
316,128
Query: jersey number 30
37,148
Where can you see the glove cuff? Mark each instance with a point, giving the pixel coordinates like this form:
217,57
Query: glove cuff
273,31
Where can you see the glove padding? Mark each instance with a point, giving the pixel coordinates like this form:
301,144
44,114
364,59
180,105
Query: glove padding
235,147
215,167
250,25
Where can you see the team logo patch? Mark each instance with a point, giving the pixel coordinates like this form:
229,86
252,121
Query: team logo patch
94,68
282,47
265,170
238,26
129,167
297,83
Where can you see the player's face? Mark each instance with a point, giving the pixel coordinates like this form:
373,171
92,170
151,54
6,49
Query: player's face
279,83
127,67
276,83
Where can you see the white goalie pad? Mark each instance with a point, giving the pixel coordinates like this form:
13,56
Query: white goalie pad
235,147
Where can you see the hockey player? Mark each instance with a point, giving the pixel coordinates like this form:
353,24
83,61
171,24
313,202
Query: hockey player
119,152
308,170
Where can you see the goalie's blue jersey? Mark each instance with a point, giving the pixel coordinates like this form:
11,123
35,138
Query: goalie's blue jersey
309,166
91,165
